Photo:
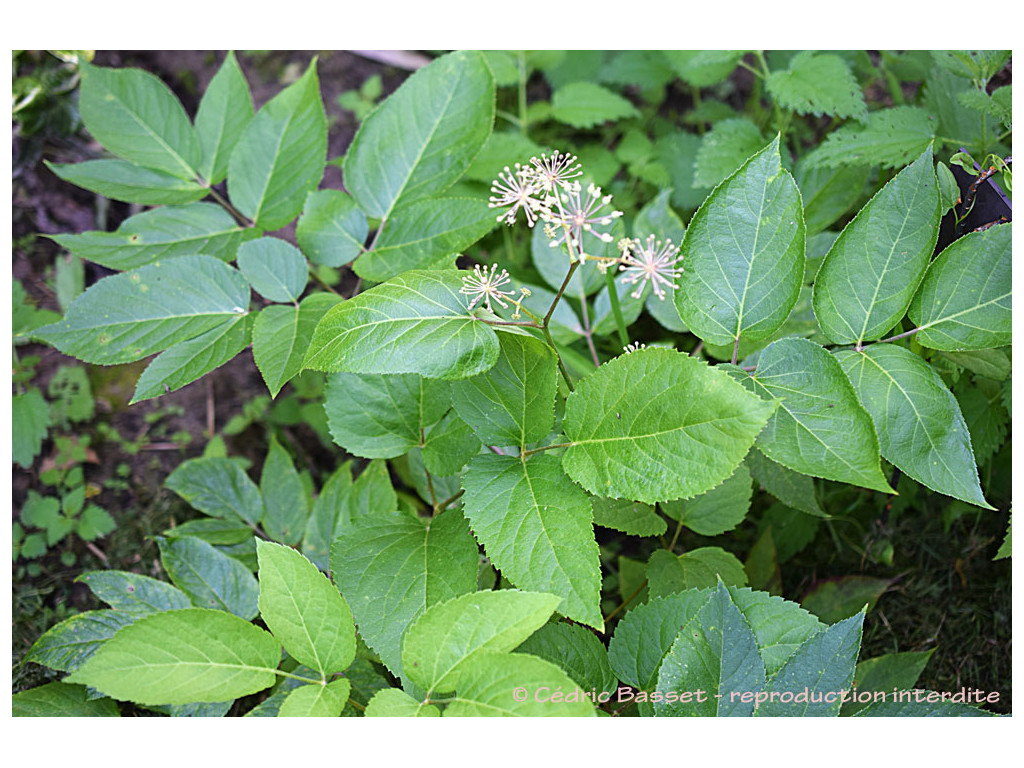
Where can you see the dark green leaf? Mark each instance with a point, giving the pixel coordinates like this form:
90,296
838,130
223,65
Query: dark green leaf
331,230
210,578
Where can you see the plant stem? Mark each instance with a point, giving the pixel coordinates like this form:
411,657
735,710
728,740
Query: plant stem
626,602
300,677
239,217
675,536
736,350
613,295
446,502
523,120
524,454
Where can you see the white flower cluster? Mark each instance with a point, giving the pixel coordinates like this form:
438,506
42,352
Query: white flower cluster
548,189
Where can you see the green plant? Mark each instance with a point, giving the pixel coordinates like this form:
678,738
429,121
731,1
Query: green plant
362,102
665,374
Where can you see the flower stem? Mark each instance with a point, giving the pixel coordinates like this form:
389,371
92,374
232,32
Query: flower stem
613,295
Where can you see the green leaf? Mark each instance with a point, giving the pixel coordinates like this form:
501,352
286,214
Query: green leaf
423,137
387,328
780,626
872,271
218,487
828,193
61,700
820,428
213,530
703,68
630,517
823,665
224,113
443,641
818,84
134,114
323,524
316,700
280,156
132,315
134,593
724,149
578,651
450,445
394,702
276,269
537,529
921,704
121,180
491,685
646,633
584,105
381,417
190,360
716,511
677,152
1006,547
68,645
986,419
281,335
513,403
920,427
392,567
639,407
197,228
890,138
500,149
885,674
181,657
304,610
422,232
210,578
95,522
697,569
284,499
743,255
331,230
840,598
991,363
791,488
715,652
30,421
657,218
964,299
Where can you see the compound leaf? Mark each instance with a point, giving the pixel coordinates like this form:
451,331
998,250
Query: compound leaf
964,300
331,230
210,578
281,335
625,418
135,115
383,416
513,402
182,657
224,112
920,427
422,233
280,156
537,529
873,269
304,610
820,427
743,254
423,137
135,314
392,567
277,270
441,642
389,328
196,228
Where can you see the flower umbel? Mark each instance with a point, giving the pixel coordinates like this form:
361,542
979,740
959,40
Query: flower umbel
519,189
484,284
578,213
652,261
557,169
